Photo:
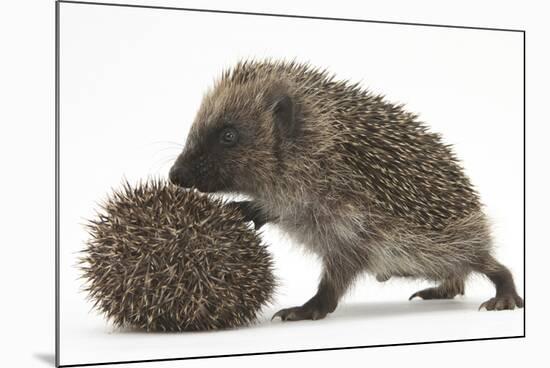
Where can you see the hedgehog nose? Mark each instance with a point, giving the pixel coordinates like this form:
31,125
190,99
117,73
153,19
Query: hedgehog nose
179,175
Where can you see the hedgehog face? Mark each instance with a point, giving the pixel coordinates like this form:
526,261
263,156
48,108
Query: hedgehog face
234,142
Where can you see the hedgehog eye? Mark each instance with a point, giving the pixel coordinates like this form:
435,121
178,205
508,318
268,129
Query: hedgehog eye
229,136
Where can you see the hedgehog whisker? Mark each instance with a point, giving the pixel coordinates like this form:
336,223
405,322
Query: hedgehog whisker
158,164
168,142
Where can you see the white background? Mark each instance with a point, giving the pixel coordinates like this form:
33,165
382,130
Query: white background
128,91
27,153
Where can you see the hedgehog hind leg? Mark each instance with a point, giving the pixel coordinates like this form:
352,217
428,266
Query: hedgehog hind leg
448,289
506,295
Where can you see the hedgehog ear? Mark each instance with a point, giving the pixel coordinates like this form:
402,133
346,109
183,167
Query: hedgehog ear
284,114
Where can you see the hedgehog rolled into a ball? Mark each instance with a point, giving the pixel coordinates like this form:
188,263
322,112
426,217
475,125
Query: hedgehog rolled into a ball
162,258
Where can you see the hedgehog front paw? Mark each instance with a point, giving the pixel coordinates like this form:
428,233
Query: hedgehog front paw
434,293
503,302
251,213
448,289
304,312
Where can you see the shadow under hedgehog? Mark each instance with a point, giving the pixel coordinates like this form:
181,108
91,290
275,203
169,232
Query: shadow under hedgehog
355,179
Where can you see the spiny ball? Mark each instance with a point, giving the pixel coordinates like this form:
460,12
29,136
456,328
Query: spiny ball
162,258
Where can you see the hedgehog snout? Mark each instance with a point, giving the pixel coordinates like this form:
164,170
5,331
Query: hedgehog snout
191,170
181,175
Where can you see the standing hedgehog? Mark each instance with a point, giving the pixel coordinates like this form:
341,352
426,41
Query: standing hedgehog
355,179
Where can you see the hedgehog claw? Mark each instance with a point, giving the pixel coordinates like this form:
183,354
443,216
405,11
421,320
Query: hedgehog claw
251,213
503,302
447,290
287,314
300,313
278,314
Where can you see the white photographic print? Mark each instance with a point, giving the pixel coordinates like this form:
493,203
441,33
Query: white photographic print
233,183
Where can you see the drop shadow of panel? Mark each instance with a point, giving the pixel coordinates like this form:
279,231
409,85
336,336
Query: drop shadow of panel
47,358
